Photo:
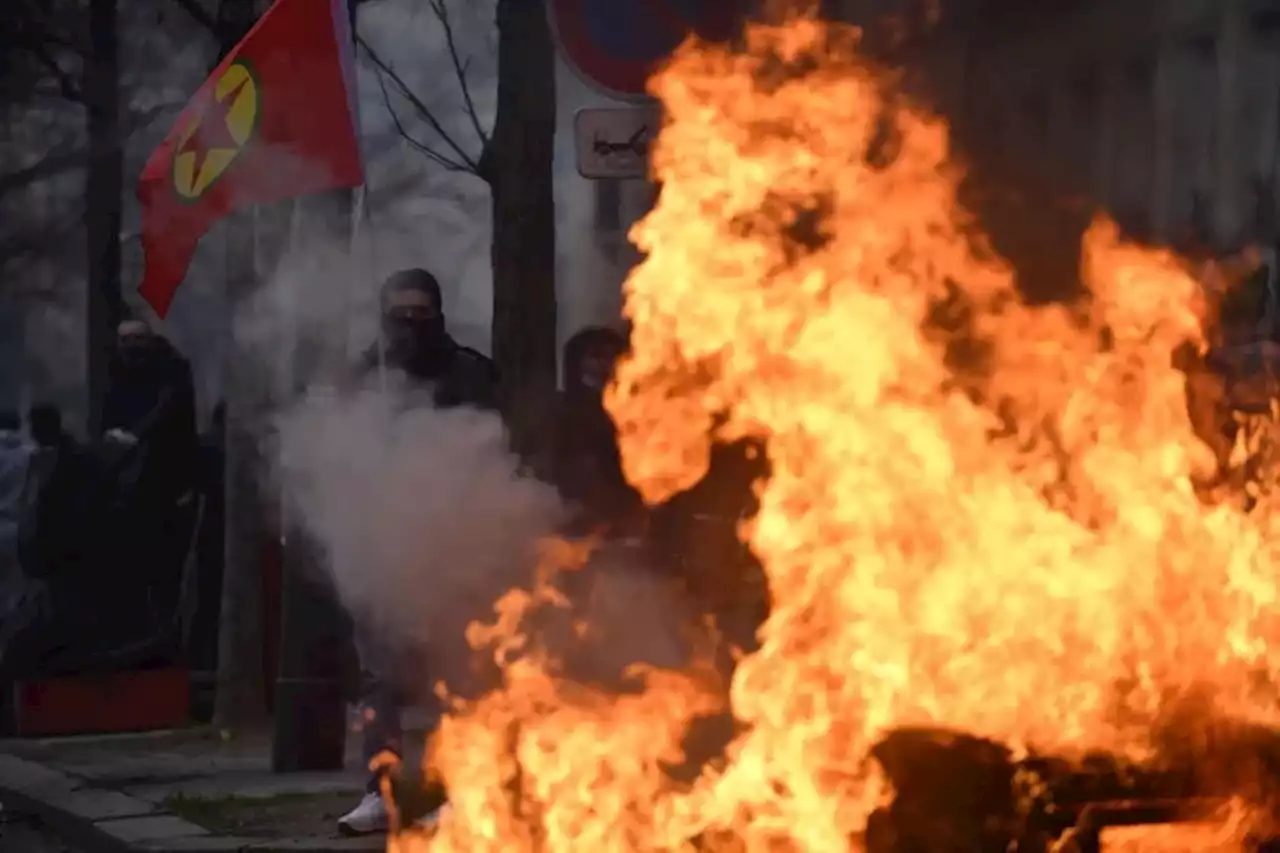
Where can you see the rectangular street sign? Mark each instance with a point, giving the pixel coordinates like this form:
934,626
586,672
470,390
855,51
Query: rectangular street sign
613,142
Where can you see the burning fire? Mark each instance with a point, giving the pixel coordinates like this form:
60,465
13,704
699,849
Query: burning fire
980,515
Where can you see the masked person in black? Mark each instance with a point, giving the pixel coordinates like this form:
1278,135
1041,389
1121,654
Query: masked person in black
586,465
150,449
150,406
57,627
16,461
415,342
57,547
416,352
55,527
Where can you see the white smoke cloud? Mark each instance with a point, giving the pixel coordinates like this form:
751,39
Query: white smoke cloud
423,521
421,516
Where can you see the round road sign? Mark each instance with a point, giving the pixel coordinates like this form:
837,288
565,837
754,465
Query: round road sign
614,45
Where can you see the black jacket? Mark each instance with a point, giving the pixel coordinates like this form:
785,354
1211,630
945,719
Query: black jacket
158,405
57,529
464,378
586,465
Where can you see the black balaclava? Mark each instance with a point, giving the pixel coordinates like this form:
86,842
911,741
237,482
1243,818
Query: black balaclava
413,329
589,359
136,345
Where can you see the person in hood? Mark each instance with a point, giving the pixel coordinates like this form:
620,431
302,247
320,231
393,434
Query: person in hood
150,407
16,454
150,385
150,443
58,514
59,529
415,351
586,464
415,344
59,624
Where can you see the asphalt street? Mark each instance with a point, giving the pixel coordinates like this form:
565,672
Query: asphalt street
20,833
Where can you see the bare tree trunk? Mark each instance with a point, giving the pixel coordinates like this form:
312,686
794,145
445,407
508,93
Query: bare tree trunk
240,700
104,188
310,703
518,168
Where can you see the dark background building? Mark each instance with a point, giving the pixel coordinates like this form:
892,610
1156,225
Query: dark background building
1160,111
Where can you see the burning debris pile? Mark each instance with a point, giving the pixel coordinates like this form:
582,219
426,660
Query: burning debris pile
988,559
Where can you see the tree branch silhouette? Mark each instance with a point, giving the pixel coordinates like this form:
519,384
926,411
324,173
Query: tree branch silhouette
63,160
460,162
198,13
441,10
446,151
457,159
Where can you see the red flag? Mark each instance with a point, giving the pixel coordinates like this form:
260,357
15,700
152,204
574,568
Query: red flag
277,119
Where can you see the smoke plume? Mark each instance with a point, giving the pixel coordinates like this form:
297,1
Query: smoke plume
422,518
424,521
420,514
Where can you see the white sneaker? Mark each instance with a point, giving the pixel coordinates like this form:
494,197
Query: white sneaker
367,818
428,822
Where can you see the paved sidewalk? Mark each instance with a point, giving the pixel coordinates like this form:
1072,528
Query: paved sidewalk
187,791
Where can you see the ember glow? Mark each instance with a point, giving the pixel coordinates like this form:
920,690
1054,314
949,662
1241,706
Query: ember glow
980,516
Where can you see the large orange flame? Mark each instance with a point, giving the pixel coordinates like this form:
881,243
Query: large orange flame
986,523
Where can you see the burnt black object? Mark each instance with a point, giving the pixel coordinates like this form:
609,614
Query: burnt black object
956,793
1086,835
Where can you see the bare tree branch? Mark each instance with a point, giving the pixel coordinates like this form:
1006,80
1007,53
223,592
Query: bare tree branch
52,164
40,27
45,90
66,84
465,161
32,242
459,68
198,13
459,160
431,153
68,159
33,41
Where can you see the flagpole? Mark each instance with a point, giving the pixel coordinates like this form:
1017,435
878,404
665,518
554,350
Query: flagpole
361,229
311,708
353,254
364,222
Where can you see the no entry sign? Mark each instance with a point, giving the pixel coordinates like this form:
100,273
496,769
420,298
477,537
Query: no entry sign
614,45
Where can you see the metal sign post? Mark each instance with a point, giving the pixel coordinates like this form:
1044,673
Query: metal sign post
615,46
